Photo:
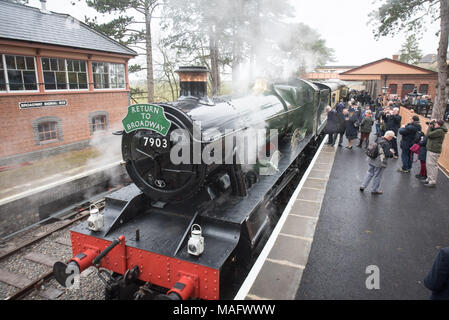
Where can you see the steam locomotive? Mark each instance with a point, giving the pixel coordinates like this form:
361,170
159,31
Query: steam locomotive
189,226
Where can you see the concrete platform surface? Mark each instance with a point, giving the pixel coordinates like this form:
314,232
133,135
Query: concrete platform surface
399,232
278,270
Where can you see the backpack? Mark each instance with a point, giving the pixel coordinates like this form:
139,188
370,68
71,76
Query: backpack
373,150
418,136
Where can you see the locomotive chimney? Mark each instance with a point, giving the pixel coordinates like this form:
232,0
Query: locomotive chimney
193,81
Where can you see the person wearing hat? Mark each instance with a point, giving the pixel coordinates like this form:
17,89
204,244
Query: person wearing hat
408,133
435,137
378,164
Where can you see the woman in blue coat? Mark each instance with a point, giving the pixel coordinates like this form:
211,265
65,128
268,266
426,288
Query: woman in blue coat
351,129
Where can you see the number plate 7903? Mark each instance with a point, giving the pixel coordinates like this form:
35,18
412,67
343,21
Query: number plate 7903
155,142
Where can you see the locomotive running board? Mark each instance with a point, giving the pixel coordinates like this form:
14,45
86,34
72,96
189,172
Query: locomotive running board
126,204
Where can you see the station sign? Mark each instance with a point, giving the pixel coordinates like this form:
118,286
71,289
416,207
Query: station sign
40,104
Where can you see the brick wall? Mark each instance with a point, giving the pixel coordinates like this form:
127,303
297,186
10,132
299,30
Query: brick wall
16,125
416,80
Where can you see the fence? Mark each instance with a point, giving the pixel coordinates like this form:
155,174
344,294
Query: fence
444,158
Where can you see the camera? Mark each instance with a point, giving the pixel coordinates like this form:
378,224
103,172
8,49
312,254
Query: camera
431,123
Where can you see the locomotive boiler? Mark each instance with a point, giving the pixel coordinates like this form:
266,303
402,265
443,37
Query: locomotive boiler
199,210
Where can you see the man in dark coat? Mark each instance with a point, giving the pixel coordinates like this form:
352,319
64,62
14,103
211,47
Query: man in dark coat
379,100
340,106
350,127
341,128
368,101
331,124
408,133
379,119
437,279
360,98
392,121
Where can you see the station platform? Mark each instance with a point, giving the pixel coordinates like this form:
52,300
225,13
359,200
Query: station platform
37,191
21,179
331,232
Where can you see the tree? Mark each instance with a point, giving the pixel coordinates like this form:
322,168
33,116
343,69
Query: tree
122,28
410,52
229,34
198,29
304,55
412,16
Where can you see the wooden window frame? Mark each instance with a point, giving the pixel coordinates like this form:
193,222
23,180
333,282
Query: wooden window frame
109,73
66,72
5,72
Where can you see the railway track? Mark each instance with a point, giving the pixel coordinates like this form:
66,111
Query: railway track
26,260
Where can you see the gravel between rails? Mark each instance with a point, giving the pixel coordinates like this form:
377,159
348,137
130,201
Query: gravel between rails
91,287
6,290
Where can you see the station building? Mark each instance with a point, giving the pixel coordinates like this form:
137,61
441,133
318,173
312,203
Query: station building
398,77
61,82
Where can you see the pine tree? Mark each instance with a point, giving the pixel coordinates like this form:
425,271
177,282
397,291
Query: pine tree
410,52
122,29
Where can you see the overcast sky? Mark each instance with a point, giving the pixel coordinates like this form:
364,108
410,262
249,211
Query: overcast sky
342,23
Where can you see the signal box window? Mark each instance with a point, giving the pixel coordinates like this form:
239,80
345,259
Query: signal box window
2,76
108,75
20,73
64,74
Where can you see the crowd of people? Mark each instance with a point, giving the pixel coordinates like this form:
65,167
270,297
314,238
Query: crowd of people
360,115
357,118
